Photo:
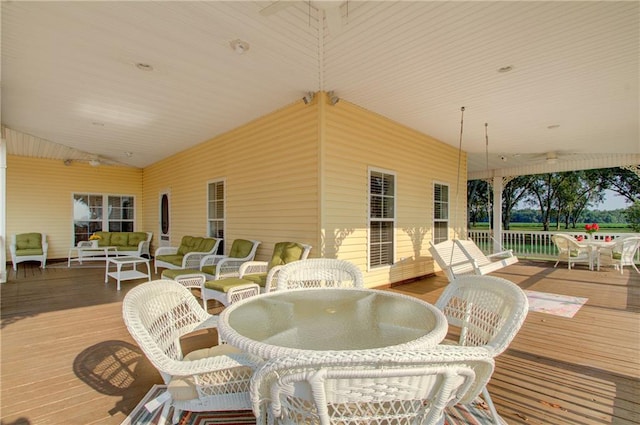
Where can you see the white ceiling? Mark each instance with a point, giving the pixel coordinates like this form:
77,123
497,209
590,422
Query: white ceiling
69,73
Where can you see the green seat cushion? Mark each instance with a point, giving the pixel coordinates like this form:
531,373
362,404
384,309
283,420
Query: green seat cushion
223,285
136,237
616,255
28,251
173,273
209,269
240,248
206,245
105,238
284,253
175,259
118,239
29,241
195,244
259,278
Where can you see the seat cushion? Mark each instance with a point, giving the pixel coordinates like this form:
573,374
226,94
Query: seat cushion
223,285
173,273
119,239
29,241
284,253
175,259
209,269
240,248
105,238
136,237
184,388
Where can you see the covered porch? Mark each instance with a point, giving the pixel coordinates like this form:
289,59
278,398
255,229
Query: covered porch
68,358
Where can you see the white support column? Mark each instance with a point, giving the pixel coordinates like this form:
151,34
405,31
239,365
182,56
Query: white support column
3,210
497,213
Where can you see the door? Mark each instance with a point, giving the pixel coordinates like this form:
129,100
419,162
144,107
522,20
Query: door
165,220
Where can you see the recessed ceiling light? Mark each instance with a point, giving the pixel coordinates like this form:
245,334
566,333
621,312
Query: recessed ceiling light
144,66
505,68
239,46
128,154
98,124
553,126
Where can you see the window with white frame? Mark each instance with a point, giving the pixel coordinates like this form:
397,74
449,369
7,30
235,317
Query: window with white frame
215,209
382,214
440,212
100,212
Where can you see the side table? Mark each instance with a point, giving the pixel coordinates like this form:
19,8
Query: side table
119,275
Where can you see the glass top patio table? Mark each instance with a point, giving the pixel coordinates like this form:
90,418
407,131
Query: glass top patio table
330,319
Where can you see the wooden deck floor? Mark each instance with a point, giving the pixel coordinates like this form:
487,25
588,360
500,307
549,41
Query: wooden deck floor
67,358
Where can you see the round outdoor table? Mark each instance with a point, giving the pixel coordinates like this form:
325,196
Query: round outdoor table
330,319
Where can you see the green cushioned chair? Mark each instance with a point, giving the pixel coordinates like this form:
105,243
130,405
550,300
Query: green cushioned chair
215,266
186,256
264,273
29,247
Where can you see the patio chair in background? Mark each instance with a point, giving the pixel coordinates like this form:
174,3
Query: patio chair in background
621,254
457,257
216,266
187,255
157,314
374,387
571,251
319,273
28,247
264,273
488,311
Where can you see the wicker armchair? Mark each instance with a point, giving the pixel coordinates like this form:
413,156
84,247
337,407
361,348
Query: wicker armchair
488,311
264,273
571,251
158,314
233,294
187,255
215,266
360,387
319,273
29,247
621,254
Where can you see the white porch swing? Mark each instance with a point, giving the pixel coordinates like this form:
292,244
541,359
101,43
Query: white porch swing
458,257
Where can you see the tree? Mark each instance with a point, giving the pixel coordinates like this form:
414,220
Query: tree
478,194
543,189
624,182
514,192
633,216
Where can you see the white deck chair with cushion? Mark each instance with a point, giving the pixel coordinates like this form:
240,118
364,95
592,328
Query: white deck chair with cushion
263,273
621,254
488,312
571,251
28,247
157,314
457,257
368,387
319,273
237,293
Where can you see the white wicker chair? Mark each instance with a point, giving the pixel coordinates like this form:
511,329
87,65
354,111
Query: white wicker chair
170,257
158,314
28,247
621,254
571,251
216,266
457,257
319,273
264,273
488,311
374,388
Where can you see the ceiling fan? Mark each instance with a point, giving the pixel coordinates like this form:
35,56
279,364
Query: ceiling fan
551,157
331,10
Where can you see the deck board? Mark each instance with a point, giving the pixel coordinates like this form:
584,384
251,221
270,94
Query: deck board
67,358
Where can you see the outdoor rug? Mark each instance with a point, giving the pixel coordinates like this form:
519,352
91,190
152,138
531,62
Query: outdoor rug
476,413
558,305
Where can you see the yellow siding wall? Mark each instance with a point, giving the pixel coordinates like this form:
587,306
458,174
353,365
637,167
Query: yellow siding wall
40,196
356,139
270,169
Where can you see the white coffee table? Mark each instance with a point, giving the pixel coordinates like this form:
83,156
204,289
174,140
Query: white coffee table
119,275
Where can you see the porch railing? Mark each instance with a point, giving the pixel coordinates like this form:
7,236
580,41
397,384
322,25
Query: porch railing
532,244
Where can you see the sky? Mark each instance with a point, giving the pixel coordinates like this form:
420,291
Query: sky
612,201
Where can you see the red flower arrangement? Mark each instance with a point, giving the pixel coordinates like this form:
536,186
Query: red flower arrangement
591,228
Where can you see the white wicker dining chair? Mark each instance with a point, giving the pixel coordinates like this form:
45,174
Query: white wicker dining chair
372,387
488,311
157,314
319,273
571,251
621,254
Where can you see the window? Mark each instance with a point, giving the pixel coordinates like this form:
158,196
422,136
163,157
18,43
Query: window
440,212
96,212
215,209
382,192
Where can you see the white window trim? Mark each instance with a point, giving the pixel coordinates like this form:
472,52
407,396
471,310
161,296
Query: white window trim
105,215
224,207
433,214
369,220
